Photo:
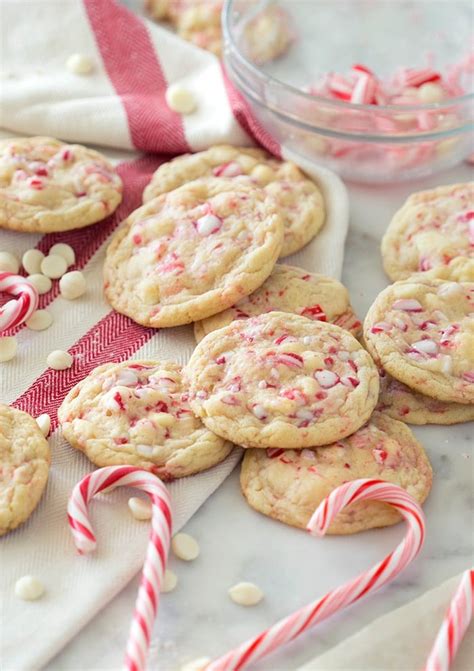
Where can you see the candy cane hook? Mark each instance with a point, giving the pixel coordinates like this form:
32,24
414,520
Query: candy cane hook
292,626
19,310
146,605
455,624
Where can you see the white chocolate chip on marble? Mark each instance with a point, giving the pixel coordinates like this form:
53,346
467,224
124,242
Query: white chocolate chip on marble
180,99
79,64
185,547
196,664
29,588
66,251
8,347
44,423
72,285
53,266
246,594
40,320
42,283
59,360
31,261
169,582
9,262
141,509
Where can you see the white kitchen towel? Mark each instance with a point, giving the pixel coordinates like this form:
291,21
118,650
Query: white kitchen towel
400,640
120,105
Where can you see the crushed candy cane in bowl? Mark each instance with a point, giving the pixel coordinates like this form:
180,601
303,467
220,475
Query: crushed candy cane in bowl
378,91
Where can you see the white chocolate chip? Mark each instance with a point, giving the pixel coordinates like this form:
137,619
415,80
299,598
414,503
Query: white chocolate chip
29,588
31,261
430,93
180,99
79,64
8,347
40,320
59,360
9,262
72,285
66,251
196,664
185,547
141,509
263,174
42,283
53,266
169,582
246,594
44,423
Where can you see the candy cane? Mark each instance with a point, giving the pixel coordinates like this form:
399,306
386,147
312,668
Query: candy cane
292,626
455,624
146,605
17,311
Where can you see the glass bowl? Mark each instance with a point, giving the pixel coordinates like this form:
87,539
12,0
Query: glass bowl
364,142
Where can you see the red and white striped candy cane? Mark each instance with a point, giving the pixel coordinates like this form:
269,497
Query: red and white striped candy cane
454,626
146,605
292,626
19,310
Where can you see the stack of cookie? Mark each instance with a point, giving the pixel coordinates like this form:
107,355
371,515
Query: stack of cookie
420,330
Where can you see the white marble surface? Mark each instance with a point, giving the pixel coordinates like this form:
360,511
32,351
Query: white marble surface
291,567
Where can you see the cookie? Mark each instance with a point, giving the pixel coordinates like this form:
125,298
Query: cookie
299,200
400,402
431,229
25,457
197,21
47,185
290,289
422,333
289,485
137,413
281,380
268,35
460,269
192,252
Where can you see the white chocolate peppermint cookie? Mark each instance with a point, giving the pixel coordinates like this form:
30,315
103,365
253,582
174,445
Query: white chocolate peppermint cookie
431,229
197,21
299,200
25,459
281,380
46,185
400,402
268,35
290,289
137,412
422,333
193,252
288,485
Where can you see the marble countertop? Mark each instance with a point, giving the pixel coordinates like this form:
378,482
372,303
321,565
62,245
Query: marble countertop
198,618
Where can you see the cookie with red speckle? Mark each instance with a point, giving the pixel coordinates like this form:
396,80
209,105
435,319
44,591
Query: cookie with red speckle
281,380
47,185
299,201
289,485
267,35
193,252
430,230
290,289
422,333
137,412
400,402
25,460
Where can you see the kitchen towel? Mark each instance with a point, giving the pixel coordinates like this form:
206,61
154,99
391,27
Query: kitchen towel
400,640
120,106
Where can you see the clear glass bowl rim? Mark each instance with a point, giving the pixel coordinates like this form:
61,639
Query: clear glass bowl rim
337,104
